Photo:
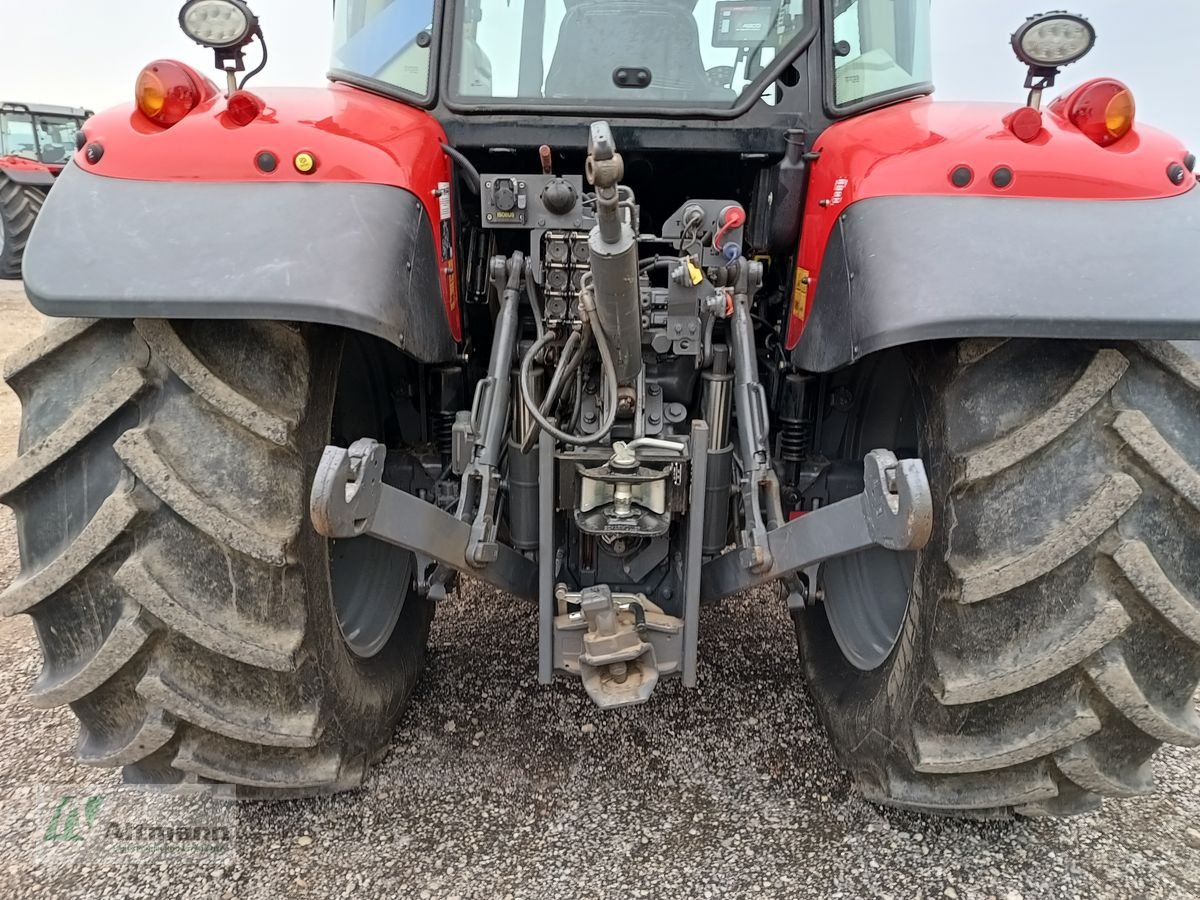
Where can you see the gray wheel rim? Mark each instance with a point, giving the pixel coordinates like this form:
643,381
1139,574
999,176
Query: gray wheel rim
369,579
370,584
867,594
870,592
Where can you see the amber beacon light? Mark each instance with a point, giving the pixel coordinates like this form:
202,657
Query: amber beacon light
166,91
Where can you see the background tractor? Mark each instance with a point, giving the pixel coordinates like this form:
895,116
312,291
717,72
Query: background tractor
622,307
36,142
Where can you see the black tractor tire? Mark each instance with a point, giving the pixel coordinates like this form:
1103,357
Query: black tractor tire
19,208
1051,640
181,596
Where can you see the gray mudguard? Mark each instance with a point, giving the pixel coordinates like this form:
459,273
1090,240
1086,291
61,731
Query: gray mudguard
898,270
359,256
28,177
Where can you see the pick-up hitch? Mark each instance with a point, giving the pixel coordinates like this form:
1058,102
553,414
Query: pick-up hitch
895,511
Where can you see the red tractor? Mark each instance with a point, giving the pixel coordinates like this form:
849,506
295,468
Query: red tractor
622,307
36,142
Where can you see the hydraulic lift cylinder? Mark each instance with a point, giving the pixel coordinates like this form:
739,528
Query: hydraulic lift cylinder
614,258
718,403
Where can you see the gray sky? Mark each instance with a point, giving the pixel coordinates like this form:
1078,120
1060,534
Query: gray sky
88,53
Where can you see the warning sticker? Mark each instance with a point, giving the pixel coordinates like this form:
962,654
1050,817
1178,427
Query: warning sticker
800,293
447,235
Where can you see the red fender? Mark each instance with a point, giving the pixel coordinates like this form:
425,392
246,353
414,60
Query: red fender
352,135
914,148
26,167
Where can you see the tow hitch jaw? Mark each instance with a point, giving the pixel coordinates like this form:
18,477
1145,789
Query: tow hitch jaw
896,502
620,644
346,490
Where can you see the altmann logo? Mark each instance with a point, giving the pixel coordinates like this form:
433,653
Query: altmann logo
78,821
205,834
73,817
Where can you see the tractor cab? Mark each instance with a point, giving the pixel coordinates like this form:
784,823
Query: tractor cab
704,98
690,56
703,64
40,134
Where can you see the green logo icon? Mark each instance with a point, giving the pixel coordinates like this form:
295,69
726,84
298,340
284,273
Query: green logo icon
72,817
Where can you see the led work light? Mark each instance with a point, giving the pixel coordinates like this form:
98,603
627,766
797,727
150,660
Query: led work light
1053,39
218,24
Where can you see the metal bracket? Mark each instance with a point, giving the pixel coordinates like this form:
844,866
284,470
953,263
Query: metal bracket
349,500
894,511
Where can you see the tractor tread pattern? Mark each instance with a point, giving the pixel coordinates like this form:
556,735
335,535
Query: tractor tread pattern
79,669
1035,730
1013,786
192,694
1067,640
230,761
1143,438
1138,565
163,340
115,515
224,630
19,208
1097,380
1021,664
122,388
146,460
61,333
992,577
1087,767
173,614
1112,676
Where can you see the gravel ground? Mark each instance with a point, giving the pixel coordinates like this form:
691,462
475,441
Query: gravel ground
495,787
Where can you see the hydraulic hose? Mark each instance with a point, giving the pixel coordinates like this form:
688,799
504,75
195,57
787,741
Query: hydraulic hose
465,165
535,299
609,370
572,355
655,262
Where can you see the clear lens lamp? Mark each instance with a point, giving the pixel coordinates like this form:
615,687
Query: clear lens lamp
1054,39
218,24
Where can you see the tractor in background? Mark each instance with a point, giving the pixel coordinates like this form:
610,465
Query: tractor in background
36,142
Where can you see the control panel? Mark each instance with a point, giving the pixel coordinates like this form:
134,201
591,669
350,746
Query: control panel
744,23
533,201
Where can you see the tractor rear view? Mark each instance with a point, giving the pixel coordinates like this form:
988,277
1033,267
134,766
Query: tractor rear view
624,308
36,142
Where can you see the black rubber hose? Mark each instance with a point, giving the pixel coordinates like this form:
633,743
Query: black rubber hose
535,300
655,261
566,366
464,164
610,376
572,354
639,617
